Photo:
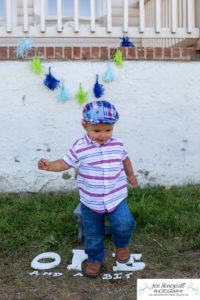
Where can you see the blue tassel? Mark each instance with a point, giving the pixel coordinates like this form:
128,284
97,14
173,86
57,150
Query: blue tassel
51,82
98,89
126,43
25,46
108,76
64,93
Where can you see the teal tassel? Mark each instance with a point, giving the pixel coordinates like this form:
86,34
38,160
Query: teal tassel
109,75
64,93
25,46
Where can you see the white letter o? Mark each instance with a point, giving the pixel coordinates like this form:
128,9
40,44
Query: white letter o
35,264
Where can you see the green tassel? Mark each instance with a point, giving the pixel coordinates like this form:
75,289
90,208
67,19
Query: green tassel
81,96
36,65
118,58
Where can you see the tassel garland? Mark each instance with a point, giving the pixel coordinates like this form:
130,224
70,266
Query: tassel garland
25,46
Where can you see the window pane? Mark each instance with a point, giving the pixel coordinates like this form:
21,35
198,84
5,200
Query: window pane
68,10
52,8
2,7
84,8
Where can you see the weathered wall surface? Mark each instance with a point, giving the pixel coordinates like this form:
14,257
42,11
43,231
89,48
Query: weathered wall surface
159,106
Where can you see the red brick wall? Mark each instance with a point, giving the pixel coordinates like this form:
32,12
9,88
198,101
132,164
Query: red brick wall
104,53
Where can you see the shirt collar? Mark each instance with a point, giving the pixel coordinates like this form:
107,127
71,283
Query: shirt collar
89,141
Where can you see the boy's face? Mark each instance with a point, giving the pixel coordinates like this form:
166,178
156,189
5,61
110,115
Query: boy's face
99,133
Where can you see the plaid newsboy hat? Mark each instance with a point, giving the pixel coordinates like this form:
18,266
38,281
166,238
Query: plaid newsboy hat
100,112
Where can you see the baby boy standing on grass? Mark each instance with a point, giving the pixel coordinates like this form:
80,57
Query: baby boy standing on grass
104,170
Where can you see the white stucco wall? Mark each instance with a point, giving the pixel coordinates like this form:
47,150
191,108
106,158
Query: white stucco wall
159,106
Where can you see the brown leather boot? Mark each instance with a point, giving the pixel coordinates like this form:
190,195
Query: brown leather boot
92,270
122,255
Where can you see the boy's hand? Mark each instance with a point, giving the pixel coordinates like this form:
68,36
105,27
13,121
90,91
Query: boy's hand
132,180
43,164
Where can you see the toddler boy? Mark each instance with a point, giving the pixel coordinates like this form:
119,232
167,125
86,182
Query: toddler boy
104,169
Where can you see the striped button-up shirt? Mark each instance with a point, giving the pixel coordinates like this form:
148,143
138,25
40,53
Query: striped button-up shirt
102,181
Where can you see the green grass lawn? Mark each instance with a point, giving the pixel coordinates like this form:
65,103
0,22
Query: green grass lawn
167,234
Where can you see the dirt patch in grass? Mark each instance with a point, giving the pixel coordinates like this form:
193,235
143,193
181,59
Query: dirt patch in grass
163,260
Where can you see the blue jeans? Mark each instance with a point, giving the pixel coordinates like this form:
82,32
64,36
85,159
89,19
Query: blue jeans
122,224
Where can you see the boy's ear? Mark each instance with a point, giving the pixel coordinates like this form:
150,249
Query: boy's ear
84,124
